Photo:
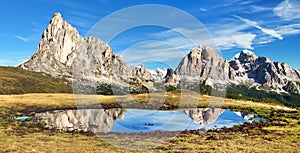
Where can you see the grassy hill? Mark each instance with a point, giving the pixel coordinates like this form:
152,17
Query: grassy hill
245,93
18,81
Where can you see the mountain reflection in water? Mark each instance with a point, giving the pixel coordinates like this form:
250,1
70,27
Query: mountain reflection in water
136,120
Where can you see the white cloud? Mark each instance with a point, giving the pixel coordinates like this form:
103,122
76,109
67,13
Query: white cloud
223,37
231,35
265,30
255,8
291,29
25,39
241,40
153,51
264,40
203,9
186,39
104,2
168,46
288,10
7,62
3,61
34,37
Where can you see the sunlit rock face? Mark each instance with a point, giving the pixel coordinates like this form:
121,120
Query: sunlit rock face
95,120
204,115
205,63
62,51
267,74
142,72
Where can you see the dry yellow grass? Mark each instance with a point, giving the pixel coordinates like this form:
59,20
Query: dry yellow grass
20,102
23,140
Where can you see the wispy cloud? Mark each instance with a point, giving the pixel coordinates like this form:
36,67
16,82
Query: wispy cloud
227,36
203,9
291,29
9,62
288,9
153,51
185,39
3,61
255,8
231,35
84,14
104,2
25,39
265,30
33,37
75,5
239,40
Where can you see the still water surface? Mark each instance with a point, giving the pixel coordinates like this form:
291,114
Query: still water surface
135,120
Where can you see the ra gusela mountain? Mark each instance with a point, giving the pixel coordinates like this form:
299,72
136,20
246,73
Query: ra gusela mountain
63,52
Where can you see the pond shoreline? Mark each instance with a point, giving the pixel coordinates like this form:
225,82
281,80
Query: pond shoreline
281,131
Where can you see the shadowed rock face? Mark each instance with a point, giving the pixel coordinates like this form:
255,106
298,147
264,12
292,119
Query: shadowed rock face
142,72
96,120
204,115
170,78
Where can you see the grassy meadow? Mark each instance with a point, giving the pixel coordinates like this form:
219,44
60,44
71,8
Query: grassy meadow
280,134
15,80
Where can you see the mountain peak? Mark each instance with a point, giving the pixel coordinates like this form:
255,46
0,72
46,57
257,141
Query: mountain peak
56,18
62,48
204,62
245,51
56,15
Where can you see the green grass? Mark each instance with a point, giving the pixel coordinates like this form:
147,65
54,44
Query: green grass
245,93
18,81
279,134
257,137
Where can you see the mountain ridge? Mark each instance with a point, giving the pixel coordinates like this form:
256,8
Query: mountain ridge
63,52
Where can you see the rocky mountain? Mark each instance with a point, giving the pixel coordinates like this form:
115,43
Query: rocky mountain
244,68
204,115
62,51
142,72
202,64
205,63
265,73
96,120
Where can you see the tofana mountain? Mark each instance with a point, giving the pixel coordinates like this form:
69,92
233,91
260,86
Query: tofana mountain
63,52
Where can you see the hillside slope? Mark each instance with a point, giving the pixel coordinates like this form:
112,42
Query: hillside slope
18,81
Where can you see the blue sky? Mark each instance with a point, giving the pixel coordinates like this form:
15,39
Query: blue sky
269,28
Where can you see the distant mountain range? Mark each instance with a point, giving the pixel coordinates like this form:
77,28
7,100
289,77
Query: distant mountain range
63,52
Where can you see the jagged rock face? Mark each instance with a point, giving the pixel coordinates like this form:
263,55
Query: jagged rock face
142,72
271,75
204,63
170,77
96,58
96,120
62,51
158,74
204,115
